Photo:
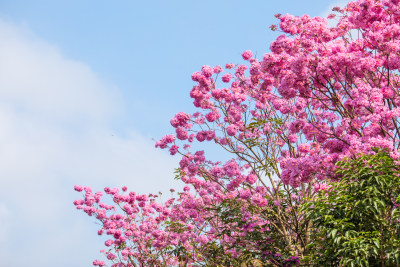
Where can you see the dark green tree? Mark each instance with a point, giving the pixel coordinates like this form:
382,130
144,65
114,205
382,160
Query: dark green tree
356,219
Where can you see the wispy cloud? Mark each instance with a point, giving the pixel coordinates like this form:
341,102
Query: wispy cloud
55,117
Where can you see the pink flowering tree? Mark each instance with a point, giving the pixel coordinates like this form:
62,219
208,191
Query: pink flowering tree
321,95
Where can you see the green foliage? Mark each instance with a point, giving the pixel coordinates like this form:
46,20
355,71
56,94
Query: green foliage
356,220
178,174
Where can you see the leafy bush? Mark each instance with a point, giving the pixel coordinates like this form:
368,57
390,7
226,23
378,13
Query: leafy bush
356,218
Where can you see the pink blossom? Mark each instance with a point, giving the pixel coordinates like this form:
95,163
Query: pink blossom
218,69
78,188
174,149
87,189
247,55
109,242
231,130
180,119
387,92
181,133
319,186
251,178
293,138
202,239
207,71
304,148
229,66
226,78
212,116
98,263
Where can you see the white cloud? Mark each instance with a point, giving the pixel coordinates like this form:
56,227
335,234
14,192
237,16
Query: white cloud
54,116
4,225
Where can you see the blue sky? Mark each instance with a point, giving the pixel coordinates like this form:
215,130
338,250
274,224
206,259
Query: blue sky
85,86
